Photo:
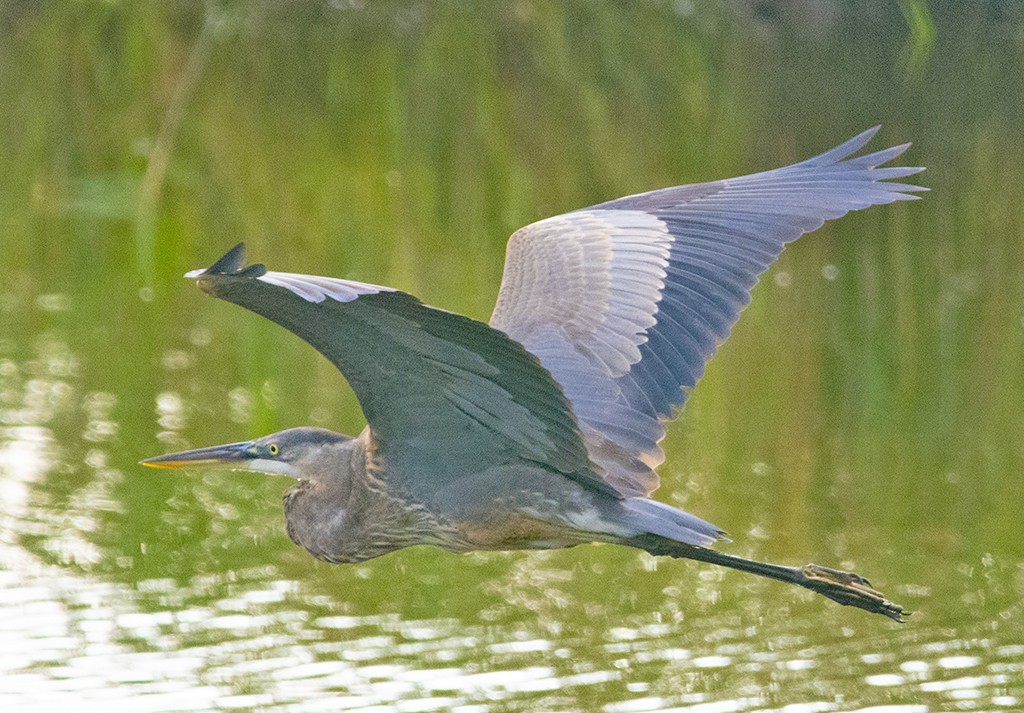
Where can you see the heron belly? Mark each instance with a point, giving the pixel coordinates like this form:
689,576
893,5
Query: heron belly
519,530
524,507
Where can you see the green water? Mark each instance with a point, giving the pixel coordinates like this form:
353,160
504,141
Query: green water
866,412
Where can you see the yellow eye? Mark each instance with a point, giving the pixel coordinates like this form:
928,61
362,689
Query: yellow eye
273,449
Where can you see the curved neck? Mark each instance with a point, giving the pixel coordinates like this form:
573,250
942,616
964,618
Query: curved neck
341,514
317,509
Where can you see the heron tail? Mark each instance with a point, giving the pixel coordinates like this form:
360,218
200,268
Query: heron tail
674,525
844,587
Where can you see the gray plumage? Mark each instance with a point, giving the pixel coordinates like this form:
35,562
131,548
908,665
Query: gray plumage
541,429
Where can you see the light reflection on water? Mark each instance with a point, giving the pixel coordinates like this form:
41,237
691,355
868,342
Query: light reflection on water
72,640
252,638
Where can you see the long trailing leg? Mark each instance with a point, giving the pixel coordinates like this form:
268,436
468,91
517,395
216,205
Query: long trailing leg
844,587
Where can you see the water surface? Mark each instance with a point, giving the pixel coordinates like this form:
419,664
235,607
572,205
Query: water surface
866,413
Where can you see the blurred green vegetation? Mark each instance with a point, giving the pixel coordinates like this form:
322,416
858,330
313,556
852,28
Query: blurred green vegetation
867,408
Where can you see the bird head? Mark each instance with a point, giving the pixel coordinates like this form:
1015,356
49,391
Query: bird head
302,453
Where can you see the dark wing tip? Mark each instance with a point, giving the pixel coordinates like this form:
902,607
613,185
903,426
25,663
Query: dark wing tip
231,264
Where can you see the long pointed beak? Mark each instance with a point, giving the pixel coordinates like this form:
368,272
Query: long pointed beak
232,456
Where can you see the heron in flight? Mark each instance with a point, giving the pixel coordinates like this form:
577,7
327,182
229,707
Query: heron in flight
541,429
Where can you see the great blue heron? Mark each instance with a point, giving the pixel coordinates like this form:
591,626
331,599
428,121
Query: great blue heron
541,429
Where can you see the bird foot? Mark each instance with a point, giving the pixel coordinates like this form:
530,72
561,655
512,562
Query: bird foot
850,589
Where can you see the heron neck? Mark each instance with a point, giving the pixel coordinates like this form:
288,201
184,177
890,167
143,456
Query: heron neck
345,515
317,509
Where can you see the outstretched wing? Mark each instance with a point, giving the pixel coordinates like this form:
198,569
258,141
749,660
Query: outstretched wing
446,396
625,302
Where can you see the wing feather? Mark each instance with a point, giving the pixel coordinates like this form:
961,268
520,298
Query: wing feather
626,301
445,396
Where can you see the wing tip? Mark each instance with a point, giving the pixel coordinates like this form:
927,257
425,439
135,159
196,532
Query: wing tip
844,152
231,263
912,170
847,148
869,134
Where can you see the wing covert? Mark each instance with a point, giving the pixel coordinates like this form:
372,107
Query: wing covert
625,302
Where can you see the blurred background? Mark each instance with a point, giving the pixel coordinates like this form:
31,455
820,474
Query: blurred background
865,414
